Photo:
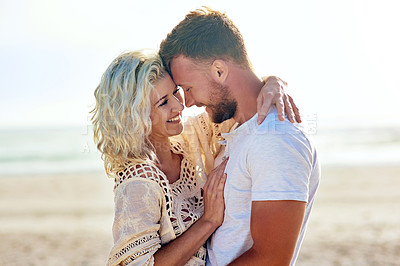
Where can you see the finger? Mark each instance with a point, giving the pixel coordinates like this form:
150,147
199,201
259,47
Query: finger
208,191
215,175
289,109
295,109
218,173
212,177
280,107
262,108
259,105
222,164
222,181
221,185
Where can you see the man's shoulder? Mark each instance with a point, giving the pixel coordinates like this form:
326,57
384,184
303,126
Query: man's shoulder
273,128
273,134
272,124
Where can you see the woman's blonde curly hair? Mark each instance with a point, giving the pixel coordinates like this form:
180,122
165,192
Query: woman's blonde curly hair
121,117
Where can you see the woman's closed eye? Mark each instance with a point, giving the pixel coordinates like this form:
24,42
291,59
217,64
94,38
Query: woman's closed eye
163,103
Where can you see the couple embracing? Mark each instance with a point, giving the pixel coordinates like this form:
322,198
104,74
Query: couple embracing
234,185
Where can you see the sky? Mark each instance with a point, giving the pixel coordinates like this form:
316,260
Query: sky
341,59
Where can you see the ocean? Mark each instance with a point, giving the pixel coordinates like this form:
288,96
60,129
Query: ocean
346,146
48,151
71,150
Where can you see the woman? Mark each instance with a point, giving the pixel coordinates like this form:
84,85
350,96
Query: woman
168,200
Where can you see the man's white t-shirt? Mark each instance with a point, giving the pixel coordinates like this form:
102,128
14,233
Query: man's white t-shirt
271,161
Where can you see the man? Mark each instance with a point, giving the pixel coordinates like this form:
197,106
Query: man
273,171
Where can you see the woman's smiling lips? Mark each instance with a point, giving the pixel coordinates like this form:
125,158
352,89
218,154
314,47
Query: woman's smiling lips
175,119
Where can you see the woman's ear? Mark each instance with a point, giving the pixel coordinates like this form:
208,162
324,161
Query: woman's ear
219,71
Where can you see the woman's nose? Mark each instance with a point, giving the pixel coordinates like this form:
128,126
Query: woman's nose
178,104
188,99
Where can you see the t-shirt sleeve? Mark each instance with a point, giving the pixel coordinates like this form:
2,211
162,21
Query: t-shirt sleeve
138,205
280,166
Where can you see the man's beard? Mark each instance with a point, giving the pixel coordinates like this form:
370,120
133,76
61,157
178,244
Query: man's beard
223,106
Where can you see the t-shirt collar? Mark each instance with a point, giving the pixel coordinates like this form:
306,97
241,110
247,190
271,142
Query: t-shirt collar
244,128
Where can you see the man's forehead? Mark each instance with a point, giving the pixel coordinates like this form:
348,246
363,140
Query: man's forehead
182,61
180,68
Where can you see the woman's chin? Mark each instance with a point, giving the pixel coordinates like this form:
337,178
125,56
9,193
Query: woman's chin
176,130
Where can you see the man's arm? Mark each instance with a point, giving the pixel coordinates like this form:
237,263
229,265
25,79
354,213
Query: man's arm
275,227
280,164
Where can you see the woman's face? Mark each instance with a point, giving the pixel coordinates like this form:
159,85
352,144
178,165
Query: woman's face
166,110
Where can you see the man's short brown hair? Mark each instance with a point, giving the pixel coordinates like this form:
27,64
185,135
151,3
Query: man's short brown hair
205,34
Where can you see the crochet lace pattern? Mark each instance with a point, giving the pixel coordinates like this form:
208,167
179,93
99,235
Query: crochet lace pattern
150,172
188,200
184,201
139,253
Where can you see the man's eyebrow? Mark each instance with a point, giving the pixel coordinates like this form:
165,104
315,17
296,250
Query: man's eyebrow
183,85
165,96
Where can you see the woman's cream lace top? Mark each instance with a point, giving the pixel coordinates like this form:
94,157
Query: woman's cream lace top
149,211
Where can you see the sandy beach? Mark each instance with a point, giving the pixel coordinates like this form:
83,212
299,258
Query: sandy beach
67,219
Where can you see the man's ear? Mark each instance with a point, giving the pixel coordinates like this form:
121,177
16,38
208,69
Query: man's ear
219,71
